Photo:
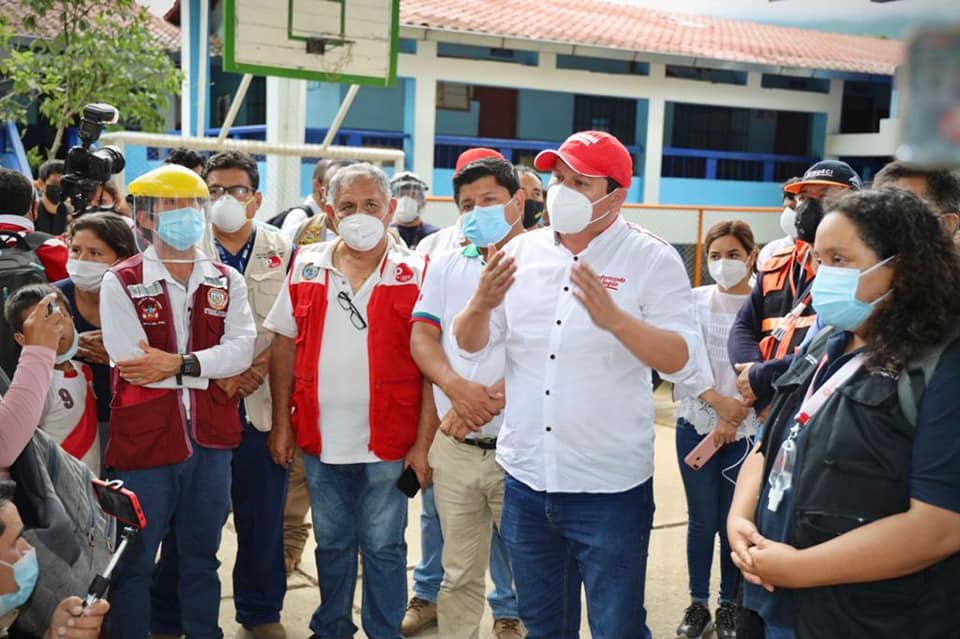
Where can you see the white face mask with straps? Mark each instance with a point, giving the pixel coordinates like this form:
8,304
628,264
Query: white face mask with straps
361,231
570,211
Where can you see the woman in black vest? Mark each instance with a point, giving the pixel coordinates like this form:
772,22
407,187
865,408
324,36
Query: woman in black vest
846,517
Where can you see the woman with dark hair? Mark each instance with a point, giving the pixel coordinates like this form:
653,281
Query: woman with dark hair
846,517
99,241
710,408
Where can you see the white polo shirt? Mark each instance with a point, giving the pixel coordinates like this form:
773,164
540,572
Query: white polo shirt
122,331
343,381
451,280
580,414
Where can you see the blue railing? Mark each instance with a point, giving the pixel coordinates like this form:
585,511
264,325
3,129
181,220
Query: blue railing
726,165
447,148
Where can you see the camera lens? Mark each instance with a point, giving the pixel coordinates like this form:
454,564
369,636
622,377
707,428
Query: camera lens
112,157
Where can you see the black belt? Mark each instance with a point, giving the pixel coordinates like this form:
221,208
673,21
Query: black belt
487,443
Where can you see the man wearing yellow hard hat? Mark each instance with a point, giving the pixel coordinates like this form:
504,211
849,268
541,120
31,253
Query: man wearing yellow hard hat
173,321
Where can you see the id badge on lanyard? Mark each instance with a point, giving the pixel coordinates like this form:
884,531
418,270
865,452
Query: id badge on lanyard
781,474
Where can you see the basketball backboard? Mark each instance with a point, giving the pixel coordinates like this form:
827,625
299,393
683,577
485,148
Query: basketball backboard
322,40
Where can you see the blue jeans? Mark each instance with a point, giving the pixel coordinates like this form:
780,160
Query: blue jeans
709,495
196,491
428,573
358,508
559,540
258,491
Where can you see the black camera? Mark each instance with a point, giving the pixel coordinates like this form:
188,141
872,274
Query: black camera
85,170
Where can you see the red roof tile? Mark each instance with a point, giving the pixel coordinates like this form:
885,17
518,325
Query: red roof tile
632,28
166,34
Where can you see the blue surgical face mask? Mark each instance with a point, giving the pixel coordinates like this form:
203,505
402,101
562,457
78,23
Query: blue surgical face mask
486,225
25,572
835,296
180,228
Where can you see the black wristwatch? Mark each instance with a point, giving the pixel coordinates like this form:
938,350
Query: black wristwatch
190,365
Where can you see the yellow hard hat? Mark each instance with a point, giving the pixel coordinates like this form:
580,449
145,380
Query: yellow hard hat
169,180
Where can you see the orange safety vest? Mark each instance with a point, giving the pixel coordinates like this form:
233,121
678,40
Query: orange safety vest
785,323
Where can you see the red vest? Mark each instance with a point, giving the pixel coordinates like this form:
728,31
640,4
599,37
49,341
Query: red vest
148,426
395,382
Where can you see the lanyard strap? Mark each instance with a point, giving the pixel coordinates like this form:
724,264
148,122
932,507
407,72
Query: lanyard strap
814,401
244,256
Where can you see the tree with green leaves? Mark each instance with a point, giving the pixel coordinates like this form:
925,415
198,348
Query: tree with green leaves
64,54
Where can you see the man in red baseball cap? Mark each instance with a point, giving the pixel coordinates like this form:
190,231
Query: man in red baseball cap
583,309
452,237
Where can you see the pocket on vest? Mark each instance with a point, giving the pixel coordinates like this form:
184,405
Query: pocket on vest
870,439
221,433
146,434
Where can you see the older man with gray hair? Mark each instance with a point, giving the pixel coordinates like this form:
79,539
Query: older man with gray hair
347,392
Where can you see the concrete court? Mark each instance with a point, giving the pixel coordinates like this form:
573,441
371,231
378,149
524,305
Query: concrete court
666,593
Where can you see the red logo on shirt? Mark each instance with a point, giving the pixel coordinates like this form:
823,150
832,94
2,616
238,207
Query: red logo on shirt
274,261
403,273
612,283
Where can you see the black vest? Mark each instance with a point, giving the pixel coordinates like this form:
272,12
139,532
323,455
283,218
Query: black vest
856,466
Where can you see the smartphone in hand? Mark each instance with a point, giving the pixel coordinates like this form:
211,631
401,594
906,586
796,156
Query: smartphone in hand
408,482
702,453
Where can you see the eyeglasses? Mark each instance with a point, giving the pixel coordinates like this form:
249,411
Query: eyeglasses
355,317
238,191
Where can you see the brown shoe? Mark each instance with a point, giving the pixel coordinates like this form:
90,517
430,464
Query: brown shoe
508,629
420,614
266,631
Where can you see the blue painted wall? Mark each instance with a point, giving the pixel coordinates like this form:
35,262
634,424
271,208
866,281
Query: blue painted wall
641,135
373,108
818,134
719,192
450,122
323,100
544,115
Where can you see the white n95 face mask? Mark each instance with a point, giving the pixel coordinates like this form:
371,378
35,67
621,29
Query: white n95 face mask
408,209
727,273
360,231
788,222
228,214
570,211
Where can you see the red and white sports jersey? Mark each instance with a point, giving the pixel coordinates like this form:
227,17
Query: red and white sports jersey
70,414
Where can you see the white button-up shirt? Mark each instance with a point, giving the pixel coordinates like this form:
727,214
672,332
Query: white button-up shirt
122,331
579,414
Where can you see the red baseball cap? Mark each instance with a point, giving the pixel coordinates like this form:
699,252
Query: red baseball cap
474,154
593,154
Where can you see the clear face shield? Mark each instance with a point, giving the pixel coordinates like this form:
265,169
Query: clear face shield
410,197
173,227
